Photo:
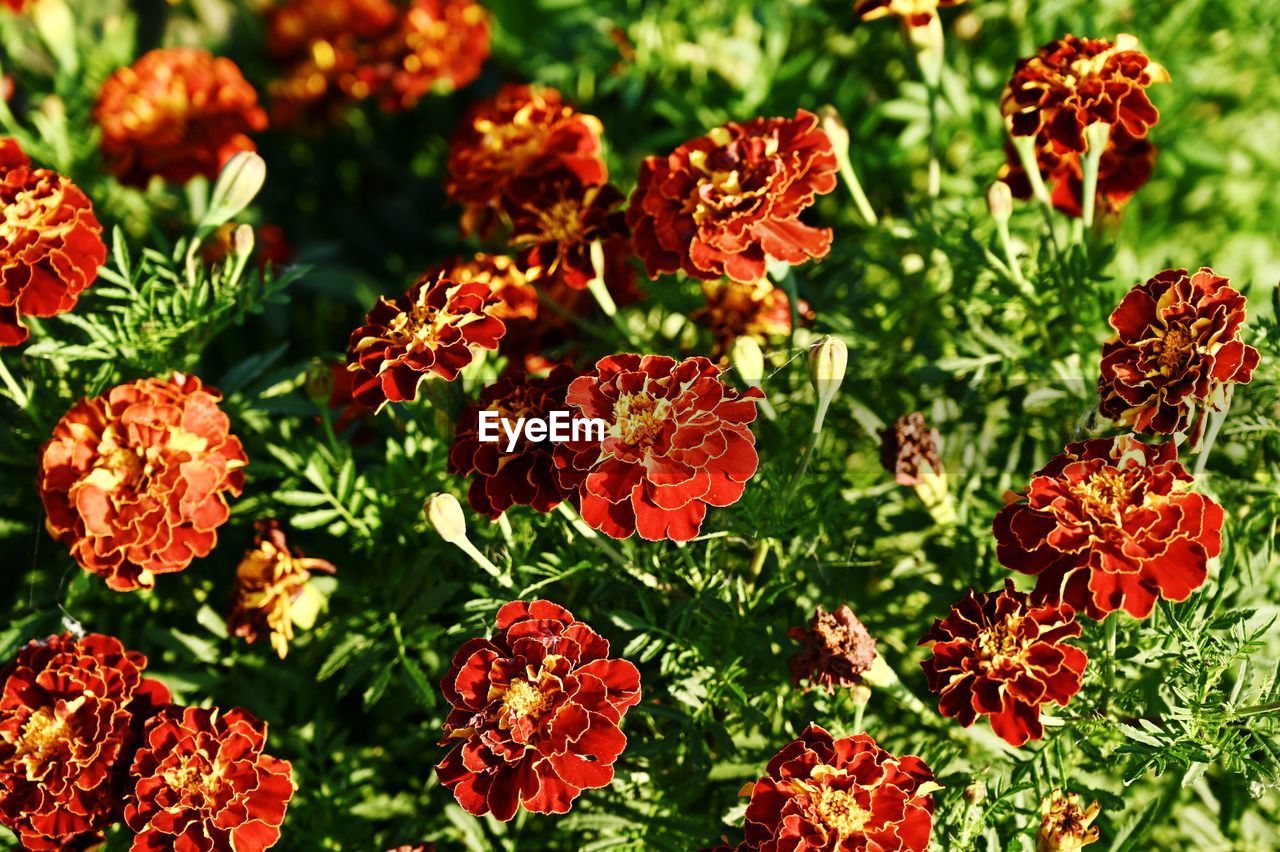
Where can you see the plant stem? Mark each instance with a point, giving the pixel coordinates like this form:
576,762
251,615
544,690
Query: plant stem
465,545
1011,257
15,390
600,291
860,200
1112,626
575,520
1216,419
757,559
1098,135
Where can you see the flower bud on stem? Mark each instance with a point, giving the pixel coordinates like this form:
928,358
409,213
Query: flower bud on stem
748,360
444,513
839,136
1000,203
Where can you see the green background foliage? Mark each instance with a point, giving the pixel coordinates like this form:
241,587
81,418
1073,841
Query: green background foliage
1182,755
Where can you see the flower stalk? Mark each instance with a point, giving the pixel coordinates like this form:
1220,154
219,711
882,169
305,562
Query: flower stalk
1097,136
839,135
444,513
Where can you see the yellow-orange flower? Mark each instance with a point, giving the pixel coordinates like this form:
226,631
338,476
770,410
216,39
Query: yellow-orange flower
1065,825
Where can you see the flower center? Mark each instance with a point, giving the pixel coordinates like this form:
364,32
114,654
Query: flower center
1000,642
43,738
638,419
30,210
1105,493
195,777
839,810
562,223
1176,347
523,699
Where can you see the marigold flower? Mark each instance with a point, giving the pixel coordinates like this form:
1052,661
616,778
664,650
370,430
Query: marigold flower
909,450
517,299
736,309
433,328
50,243
68,708
1125,167
914,13
527,475
176,113
835,650
1110,524
522,131
997,655
678,440
438,44
726,202
536,710
269,579
136,481
1177,347
1065,825
822,793
201,781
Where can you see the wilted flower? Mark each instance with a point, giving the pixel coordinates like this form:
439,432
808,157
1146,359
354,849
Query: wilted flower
727,202
176,113
1065,826
136,481
522,131
996,655
735,309
50,243
835,650
433,328
1125,167
536,710
822,793
1110,524
678,440
909,450
200,781
1177,347
525,475
68,710
914,13
270,578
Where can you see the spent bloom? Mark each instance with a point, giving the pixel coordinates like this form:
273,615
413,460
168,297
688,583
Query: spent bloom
678,440
914,13
846,794
1065,824
535,716
176,113
1110,524
727,202
269,579
136,481
1176,350
200,780
69,708
999,656
909,450
836,650
50,243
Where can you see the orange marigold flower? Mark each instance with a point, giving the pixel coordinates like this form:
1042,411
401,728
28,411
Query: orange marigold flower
745,309
535,715
176,113
51,244
835,650
914,13
909,449
433,328
725,203
996,655
517,299
522,131
201,781
1176,351
68,710
270,578
821,793
1110,524
136,481
1065,825
439,44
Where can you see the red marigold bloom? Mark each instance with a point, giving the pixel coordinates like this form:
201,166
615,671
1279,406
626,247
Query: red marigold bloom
433,328
50,243
1126,166
822,794
201,781
269,579
136,481
1177,348
68,707
525,475
914,13
438,44
517,299
177,113
1074,82
835,650
522,131
752,309
536,710
724,203
678,441
1110,524
997,655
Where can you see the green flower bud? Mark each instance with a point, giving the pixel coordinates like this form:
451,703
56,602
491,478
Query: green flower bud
444,513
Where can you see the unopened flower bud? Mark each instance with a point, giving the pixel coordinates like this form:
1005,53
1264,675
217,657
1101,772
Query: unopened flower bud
57,29
828,359
1065,826
242,240
976,792
318,383
835,128
1000,201
747,359
445,514
239,182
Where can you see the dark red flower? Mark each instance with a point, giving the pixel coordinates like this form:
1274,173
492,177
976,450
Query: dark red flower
914,13
835,650
176,113
50,243
517,299
1110,524
726,202
677,441
136,481
201,782
754,309
1177,349
1125,168
526,475
536,710
432,329
68,710
822,794
1074,82
909,449
997,655
522,131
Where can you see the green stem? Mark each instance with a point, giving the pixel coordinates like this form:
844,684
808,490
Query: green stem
465,545
1011,257
860,200
1112,627
600,291
1098,136
1216,419
20,398
758,557
575,520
